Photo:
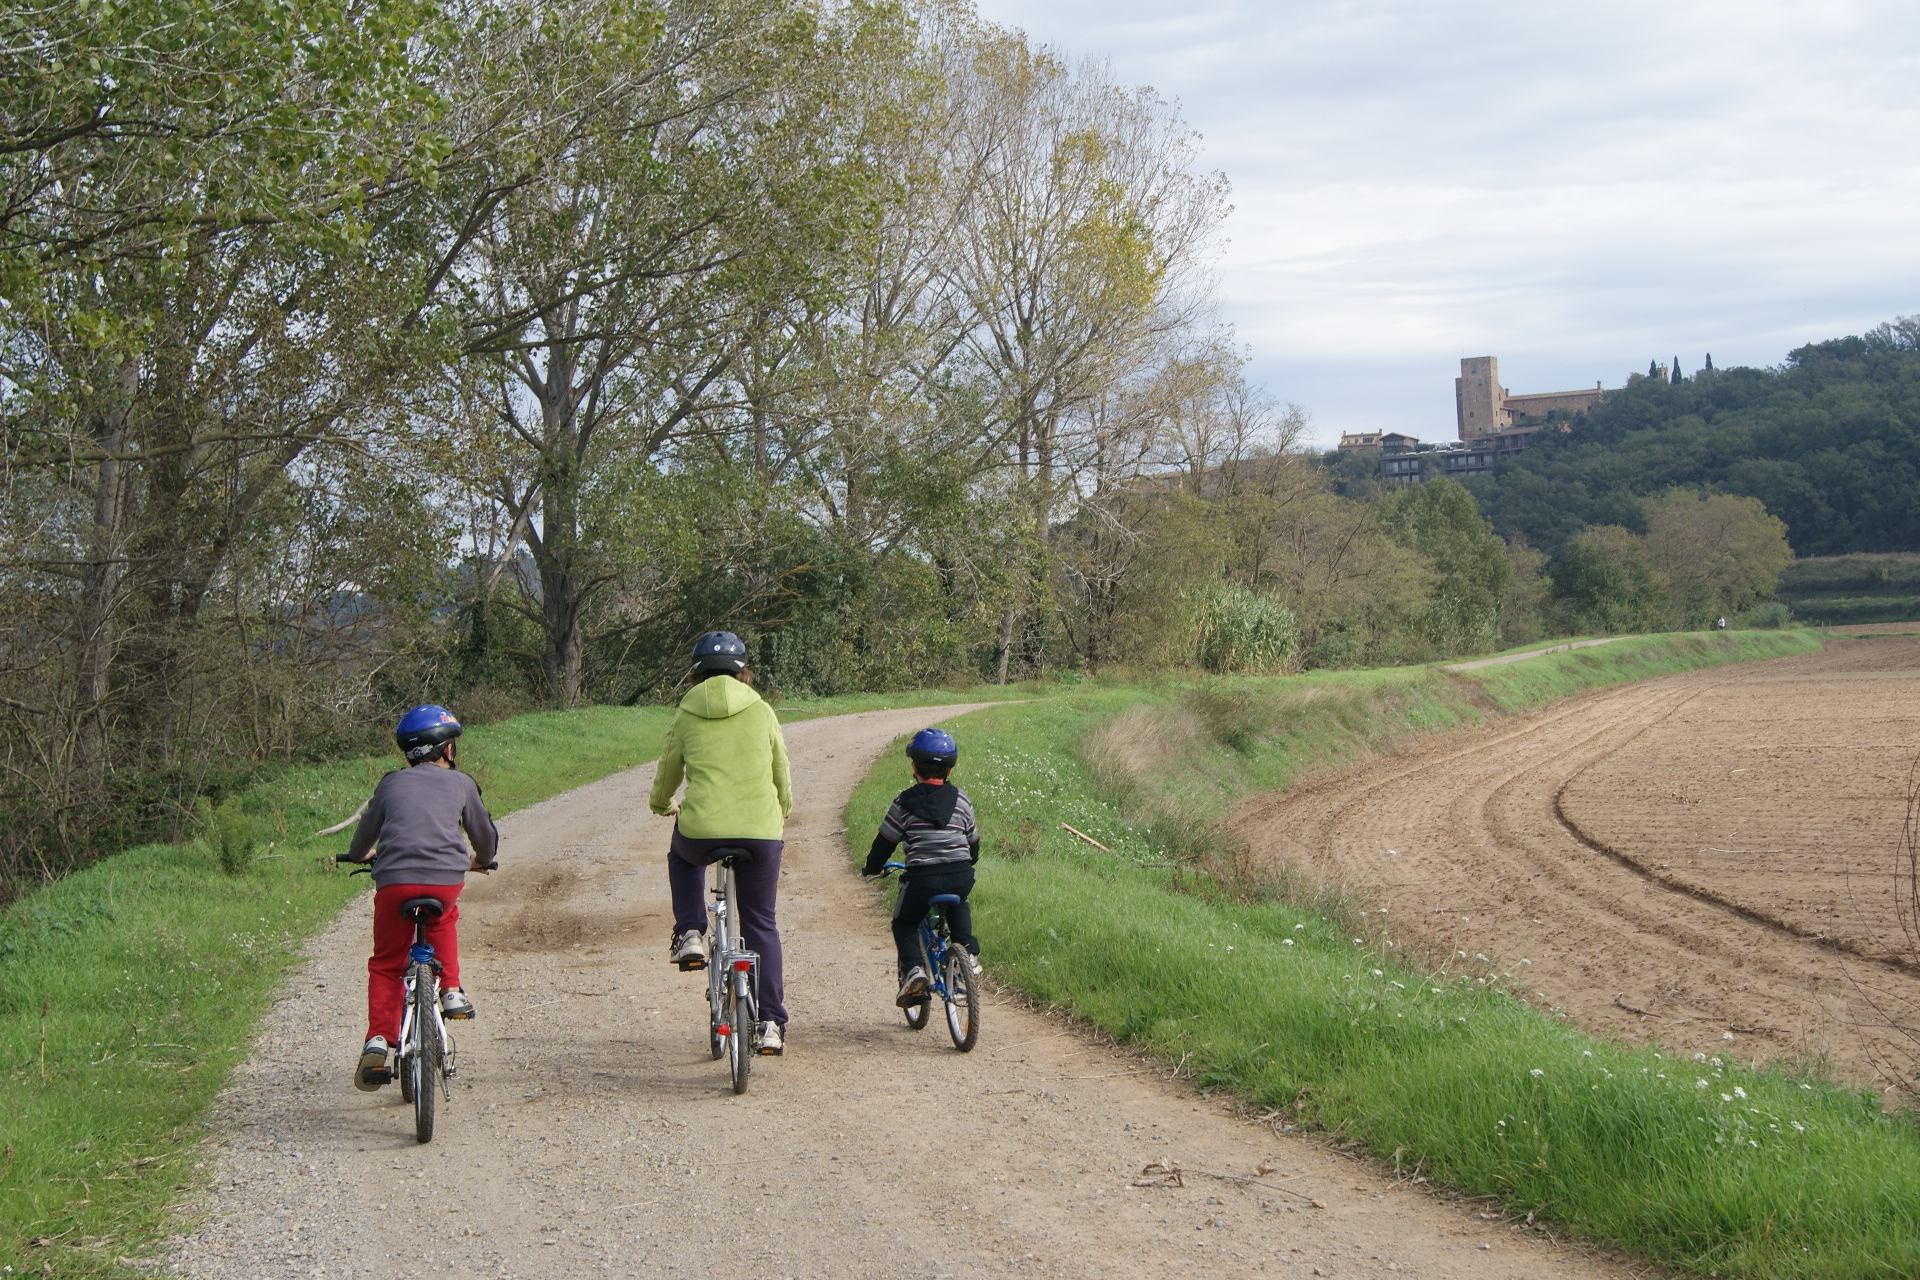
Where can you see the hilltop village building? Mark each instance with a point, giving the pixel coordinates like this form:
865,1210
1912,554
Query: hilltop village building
1490,422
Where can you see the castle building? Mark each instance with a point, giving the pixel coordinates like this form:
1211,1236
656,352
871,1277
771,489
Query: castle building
1483,408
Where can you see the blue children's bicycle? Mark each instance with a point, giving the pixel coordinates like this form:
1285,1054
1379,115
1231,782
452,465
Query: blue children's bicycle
954,975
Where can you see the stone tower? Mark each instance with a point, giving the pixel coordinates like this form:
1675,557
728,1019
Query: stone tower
1478,398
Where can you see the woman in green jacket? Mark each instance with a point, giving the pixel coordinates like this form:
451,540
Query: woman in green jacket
725,742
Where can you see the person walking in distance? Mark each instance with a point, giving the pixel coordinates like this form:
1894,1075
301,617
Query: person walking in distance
430,828
725,744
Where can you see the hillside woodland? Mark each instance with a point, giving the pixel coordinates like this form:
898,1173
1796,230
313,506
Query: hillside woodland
1829,442
490,354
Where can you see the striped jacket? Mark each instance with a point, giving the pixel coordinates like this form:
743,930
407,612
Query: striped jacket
935,823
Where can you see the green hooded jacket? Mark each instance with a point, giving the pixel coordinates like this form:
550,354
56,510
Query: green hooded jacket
725,742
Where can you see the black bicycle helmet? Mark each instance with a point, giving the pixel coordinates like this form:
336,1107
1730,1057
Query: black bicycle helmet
424,730
719,653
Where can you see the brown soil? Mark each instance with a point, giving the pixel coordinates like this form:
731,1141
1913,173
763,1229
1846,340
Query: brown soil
1704,861
591,1134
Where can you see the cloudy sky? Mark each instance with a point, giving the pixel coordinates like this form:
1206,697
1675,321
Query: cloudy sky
1576,188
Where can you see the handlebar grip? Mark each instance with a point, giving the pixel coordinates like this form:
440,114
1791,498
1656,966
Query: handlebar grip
341,857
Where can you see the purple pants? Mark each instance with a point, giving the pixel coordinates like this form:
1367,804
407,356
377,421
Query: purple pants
757,884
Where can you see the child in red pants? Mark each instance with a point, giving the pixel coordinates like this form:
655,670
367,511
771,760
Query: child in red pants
423,819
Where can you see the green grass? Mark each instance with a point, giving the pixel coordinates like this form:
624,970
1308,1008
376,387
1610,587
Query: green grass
1709,1166
152,969
849,703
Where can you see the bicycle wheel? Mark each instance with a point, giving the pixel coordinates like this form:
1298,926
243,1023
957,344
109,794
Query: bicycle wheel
918,1014
739,1014
425,1068
963,998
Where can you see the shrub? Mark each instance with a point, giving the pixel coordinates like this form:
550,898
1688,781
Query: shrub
1770,616
1245,631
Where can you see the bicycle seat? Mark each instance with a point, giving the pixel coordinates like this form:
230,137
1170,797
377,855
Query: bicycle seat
431,908
944,900
732,856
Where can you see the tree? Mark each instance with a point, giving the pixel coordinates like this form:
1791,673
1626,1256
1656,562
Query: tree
1677,379
1604,582
1438,520
1720,553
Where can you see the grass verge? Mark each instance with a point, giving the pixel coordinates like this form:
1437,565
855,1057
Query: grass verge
1707,1166
129,990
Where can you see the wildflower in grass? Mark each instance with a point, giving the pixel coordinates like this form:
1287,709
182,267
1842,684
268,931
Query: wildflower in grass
1286,942
1537,1073
1726,1097
1297,928
1699,1084
1738,1092
1586,1053
1797,1126
1699,1057
1477,956
1376,973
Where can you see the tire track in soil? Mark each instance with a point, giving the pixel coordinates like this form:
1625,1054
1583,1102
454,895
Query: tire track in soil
592,1135
1465,840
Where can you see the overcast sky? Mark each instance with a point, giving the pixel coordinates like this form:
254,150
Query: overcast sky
1574,188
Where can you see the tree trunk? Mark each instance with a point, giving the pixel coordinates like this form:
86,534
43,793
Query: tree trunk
101,583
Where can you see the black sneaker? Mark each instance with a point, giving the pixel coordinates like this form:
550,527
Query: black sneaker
372,1071
914,990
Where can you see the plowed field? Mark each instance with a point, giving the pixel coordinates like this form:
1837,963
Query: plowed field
1706,861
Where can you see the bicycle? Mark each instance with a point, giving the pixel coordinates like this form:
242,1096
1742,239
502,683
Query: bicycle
733,978
951,971
428,1060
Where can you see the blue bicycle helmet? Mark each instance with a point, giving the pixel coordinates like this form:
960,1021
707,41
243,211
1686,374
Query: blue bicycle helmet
424,730
719,652
933,746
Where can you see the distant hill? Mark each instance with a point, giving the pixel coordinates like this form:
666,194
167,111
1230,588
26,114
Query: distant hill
1829,441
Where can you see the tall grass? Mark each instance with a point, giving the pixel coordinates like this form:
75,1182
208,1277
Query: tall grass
1709,1166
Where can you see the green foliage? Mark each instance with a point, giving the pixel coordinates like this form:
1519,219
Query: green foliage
1828,441
1245,632
1720,554
1770,616
1604,582
1438,519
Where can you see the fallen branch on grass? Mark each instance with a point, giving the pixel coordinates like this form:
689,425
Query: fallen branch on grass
342,825
1075,831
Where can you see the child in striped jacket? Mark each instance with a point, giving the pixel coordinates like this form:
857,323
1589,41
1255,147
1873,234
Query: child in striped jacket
934,820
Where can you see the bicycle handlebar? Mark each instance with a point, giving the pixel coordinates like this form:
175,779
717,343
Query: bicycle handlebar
365,865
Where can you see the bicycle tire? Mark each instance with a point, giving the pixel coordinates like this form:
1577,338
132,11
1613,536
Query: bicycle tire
739,1036
426,1059
402,1060
919,1015
963,999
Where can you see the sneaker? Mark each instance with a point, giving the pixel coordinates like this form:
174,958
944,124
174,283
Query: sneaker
372,1071
968,958
914,989
690,951
454,1004
770,1039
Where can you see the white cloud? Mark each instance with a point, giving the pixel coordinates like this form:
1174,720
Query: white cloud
1576,188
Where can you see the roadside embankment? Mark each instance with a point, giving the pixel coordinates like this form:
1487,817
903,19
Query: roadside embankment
1165,936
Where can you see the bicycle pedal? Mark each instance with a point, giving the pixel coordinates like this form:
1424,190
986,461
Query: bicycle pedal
691,966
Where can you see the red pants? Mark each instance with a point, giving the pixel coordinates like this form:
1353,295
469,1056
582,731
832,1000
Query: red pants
392,935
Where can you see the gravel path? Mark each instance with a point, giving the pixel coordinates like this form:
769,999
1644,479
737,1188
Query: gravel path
591,1135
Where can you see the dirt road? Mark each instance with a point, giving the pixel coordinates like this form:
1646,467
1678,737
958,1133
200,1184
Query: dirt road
590,1133
1703,861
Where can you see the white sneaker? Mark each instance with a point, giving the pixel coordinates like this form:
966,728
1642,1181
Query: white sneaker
770,1040
454,1004
372,1071
690,951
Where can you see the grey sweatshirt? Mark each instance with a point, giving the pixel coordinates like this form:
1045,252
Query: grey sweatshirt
417,816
